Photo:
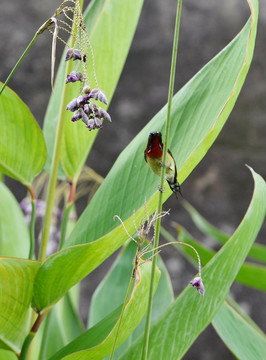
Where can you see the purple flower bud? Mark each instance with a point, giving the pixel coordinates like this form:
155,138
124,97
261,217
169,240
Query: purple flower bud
72,105
91,124
98,123
104,114
73,54
198,285
99,95
74,76
87,109
76,55
80,101
69,54
84,117
77,115
102,97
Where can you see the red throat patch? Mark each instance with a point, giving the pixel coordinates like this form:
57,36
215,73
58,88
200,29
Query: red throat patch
155,148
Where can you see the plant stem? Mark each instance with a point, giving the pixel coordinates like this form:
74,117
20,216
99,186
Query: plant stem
26,345
18,62
66,214
55,161
160,201
121,316
32,227
31,334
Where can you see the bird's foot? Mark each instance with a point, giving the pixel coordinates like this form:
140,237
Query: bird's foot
162,190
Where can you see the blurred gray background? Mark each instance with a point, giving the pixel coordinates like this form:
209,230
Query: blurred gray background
221,186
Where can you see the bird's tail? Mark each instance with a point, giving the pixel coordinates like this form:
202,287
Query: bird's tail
176,188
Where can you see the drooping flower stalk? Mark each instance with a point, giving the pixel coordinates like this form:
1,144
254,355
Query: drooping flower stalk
55,161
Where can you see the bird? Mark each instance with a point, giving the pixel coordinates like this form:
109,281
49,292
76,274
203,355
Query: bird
153,155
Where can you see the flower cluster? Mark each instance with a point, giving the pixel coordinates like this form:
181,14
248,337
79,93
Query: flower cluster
83,106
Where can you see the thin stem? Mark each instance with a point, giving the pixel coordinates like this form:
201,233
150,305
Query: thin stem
32,228
30,336
67,210
55,162
122,314
18,62
26,345
160,201
178,243
64,225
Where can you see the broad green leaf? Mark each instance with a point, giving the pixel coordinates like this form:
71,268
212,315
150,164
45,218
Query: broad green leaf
199,111
111,25
251,275
111,293
257,252
14,235
61,326
22,146
7,355
189,315
96,334
77,261
239,333
16,288
84,346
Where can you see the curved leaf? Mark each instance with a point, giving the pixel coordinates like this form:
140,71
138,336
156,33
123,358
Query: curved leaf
83,348
22,146
16,288
189,315
239,333
257,252
199,111
251,275
61,326
111,291
111,26
14,235
7,355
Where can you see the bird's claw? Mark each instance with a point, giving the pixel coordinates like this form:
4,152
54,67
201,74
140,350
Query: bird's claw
162,190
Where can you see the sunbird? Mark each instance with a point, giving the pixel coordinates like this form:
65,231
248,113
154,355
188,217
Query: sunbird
153,155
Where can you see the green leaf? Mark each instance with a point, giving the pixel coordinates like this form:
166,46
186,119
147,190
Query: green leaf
199,111
189,315
22,146
111,26
251,275
85,347
257,252
77,261
239,333
16,288
114,286
7,355
61,326
14,235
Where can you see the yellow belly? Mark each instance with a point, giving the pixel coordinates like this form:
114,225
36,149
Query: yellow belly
156,166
